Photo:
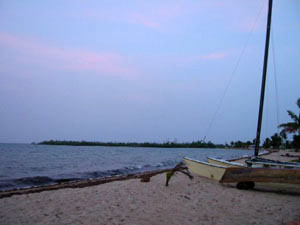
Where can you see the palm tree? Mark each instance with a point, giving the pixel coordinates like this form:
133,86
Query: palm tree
292,127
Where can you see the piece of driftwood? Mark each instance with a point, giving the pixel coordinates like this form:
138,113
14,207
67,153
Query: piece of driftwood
288,155
265,175
180,167
145,179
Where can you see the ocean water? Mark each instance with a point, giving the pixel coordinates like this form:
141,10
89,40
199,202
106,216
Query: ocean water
26,165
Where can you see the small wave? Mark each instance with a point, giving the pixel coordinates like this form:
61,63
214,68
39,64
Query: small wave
168,163
65,180
34,180
38,169
25,182
124,171
6,185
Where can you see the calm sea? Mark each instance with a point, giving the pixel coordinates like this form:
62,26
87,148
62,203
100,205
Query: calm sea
26,165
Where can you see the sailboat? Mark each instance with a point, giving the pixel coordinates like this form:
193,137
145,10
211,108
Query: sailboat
255,161
245,177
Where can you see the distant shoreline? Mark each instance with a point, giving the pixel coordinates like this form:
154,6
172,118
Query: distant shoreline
197,144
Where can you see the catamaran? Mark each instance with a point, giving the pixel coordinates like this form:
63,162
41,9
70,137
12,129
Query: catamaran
245,177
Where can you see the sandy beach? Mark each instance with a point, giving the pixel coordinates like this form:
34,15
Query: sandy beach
197,201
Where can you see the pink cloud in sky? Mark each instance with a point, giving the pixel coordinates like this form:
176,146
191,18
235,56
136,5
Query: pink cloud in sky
159,17
155,17
35,51
144,20
213,56
210,56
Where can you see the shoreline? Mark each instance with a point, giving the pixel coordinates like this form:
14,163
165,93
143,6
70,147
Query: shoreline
126,200
80,183
32,177
102,180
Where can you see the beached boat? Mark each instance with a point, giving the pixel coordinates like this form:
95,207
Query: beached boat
286,173
205,169
256,161
243,176
247,175
268,163
223,162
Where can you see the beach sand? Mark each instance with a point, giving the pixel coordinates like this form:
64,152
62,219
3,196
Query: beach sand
200,201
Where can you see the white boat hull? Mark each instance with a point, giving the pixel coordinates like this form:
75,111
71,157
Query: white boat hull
265,163
223,162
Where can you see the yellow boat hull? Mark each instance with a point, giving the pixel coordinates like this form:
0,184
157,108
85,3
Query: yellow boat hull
204,169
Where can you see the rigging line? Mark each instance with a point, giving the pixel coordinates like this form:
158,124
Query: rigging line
233,73
275,79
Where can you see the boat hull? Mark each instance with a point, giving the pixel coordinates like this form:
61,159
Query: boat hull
264,175
267,163
204,169
223,162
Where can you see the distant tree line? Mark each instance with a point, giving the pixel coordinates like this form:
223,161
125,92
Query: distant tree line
195,144
279,140
240,144
275,142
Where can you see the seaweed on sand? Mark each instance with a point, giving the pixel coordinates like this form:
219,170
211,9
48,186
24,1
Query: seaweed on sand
180,167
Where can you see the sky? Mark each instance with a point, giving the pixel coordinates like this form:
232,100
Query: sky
136,71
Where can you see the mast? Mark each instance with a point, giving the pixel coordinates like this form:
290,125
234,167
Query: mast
263,83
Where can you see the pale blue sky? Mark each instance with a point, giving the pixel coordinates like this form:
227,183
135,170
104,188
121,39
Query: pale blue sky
143,70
